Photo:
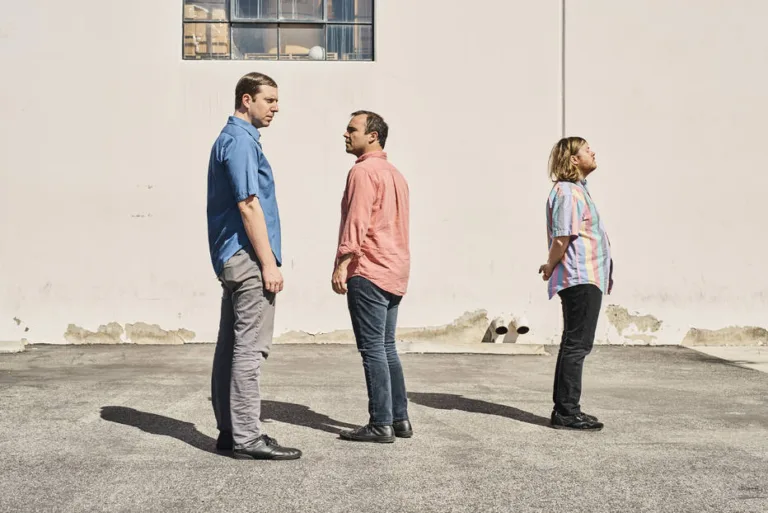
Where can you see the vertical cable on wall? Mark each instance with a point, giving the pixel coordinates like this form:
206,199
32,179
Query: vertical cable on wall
562,68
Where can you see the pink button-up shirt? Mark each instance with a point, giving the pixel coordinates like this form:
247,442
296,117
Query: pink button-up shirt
374,223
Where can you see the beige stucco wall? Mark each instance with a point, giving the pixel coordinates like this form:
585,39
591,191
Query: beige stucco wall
105,135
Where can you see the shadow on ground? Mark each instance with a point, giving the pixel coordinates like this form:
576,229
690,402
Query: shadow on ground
300,415
160,425
458,402
155,424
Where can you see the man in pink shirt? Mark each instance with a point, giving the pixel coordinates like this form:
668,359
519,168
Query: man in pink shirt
372,268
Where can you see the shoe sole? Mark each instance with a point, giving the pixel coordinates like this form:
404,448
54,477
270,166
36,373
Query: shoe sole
577,429
407,434
237,456
376,441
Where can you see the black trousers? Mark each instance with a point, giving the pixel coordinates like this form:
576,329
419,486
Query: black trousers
581,308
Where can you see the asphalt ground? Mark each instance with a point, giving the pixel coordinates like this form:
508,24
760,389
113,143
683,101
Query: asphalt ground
130,428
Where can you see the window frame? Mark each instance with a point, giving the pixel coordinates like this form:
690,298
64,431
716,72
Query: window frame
230,7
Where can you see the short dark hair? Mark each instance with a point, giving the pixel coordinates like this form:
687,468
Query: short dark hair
374,123
251,84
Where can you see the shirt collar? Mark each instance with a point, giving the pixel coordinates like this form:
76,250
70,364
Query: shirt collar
372,155
233,120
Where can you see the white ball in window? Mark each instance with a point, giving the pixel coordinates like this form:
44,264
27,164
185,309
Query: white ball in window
317,53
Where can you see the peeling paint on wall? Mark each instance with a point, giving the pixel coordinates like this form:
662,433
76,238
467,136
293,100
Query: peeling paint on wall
109,334
467,328
639,327
142,333
470,327
730,336
137,333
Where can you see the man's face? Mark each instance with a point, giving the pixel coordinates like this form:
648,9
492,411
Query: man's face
356,139
262,107
585,160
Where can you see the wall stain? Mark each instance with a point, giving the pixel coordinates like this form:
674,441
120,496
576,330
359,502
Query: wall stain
730,336
136,333
19,322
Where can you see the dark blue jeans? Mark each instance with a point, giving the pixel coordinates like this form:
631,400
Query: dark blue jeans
374,319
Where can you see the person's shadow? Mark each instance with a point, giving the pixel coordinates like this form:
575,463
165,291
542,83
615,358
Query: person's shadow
300,415
458,402
160,425
289,413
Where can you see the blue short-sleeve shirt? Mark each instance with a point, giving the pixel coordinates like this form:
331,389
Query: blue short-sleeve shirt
238,169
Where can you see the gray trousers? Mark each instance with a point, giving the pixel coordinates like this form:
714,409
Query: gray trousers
245,337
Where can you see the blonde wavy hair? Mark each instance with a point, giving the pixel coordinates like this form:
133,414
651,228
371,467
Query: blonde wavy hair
561,169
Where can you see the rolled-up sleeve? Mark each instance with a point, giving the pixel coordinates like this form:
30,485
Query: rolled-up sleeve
567,211
357,206
242,167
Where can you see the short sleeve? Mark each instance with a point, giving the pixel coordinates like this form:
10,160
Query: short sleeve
242,168
567,211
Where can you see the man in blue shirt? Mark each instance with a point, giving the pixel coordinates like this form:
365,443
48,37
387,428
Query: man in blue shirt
244,240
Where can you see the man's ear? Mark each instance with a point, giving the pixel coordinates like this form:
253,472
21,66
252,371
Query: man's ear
373,137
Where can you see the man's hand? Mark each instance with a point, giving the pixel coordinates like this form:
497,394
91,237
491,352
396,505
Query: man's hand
273,278
546,271
339,279
556,253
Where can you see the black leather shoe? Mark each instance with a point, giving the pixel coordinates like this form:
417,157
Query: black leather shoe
587,415
370,433
403,428
578,422
225,442
266,448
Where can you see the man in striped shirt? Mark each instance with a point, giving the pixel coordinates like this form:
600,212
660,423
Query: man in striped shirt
579,269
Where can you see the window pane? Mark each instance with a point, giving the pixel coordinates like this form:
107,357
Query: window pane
254,42
301,9
350,42
206,41
255,9
205,10
297,40
350,10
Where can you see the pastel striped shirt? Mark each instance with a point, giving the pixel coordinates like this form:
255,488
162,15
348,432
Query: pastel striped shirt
571,211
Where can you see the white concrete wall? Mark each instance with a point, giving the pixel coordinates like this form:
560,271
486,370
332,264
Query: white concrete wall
105,134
